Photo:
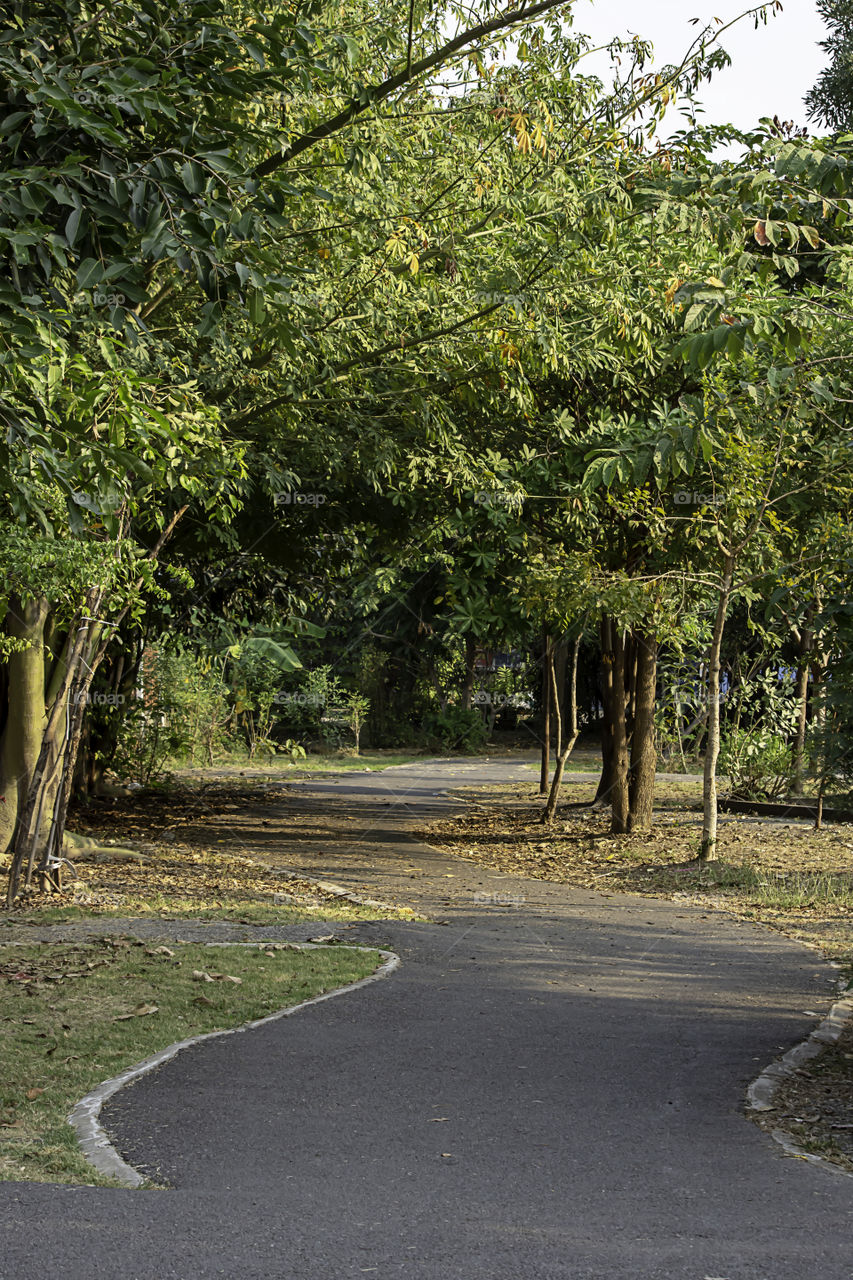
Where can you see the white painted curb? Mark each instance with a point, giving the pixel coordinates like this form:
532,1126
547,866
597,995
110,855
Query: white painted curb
94,1142
762,1092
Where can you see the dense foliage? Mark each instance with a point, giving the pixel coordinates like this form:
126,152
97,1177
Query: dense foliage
357,362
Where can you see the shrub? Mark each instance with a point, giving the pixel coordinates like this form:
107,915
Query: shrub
757,762
455,729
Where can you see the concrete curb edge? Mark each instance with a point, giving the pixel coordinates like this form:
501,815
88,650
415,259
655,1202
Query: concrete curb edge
84,1118
762,1092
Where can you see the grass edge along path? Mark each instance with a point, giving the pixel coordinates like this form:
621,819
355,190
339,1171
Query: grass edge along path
76,1014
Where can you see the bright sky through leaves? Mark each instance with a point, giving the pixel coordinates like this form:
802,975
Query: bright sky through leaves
772,67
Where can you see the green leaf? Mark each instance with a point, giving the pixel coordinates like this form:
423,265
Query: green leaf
90,272
10,122
663,449
255,299
280,654
72,225
192,176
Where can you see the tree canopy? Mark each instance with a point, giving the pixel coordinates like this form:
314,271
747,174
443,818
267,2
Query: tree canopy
381,338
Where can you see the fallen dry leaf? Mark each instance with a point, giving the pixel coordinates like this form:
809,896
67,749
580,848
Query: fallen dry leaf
141,1011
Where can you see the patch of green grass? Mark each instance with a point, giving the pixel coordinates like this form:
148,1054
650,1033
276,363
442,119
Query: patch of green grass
826,1148
157,906
64,1024
782,890
572,766
335,762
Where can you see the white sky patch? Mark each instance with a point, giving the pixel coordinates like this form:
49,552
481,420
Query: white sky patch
772,67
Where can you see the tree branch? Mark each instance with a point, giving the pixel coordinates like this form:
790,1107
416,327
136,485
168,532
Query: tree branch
377,93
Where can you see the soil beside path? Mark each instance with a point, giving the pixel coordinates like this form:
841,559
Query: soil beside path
550,1087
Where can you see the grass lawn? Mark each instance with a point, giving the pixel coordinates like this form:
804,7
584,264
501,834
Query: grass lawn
237,763
76,1014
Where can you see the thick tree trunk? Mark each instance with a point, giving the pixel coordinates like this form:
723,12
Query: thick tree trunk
25,719
641,788
571,737
605,781
37,838
708,850
613,668
33,824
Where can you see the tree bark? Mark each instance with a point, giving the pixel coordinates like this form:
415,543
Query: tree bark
558,686
708,850
32,814
545,760
25,719
613,669
641,789
37,838
802,695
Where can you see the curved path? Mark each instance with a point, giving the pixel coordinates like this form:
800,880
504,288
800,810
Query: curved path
550,1088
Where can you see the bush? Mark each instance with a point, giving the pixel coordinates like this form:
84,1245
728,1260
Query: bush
181,713
758,764
455,729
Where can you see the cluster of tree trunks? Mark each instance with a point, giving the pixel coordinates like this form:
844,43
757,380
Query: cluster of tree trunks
629,753
45,704
44,694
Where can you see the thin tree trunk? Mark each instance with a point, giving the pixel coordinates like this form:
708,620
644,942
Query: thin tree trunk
708,850
827,764
605,781
641,787
558,690
468,683
571,732
545,761
802,695
678,731
818,821
613,667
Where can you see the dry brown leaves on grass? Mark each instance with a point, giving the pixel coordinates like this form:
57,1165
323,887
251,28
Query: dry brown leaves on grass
180,881
783,874
180,871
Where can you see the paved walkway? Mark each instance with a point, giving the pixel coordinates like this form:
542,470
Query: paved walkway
550,1088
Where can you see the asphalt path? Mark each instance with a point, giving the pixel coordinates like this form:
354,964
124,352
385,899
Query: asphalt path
551,1086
